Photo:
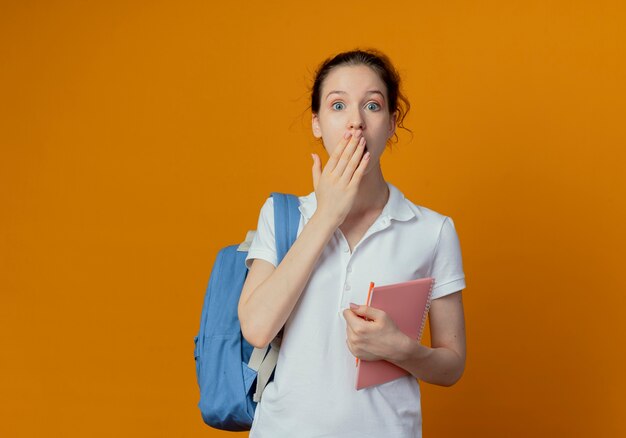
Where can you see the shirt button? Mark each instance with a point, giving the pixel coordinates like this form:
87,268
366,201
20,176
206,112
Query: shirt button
347,287
346,249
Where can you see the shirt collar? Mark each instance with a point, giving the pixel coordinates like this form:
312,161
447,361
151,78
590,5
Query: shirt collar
397,206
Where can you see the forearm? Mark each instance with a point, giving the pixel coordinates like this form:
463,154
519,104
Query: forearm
439,366
269,305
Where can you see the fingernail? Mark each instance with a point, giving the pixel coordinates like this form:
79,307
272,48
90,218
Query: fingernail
346,135
354,306
366,156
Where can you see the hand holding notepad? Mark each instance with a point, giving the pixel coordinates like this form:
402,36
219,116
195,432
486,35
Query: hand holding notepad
369,297
407,304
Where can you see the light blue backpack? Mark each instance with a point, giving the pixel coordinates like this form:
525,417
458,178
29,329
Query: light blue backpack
226,364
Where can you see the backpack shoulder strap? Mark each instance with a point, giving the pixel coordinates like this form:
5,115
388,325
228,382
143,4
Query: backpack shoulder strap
286,221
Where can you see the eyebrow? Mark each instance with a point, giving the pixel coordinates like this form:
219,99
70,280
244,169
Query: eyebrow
368,92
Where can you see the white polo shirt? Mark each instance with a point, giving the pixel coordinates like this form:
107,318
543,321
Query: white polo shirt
313,393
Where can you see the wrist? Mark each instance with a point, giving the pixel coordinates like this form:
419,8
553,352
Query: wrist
410,350
324,222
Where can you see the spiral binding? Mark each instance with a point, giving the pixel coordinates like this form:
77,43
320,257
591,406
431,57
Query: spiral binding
426,309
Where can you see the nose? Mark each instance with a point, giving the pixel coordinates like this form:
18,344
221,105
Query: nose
355,122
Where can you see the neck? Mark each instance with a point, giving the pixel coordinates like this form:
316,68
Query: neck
373,193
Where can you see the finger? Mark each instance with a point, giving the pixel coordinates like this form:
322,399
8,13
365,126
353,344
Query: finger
348,151
353,321
355,159
350,347
367,312
358,173
351,335
336,155
316,170
350,318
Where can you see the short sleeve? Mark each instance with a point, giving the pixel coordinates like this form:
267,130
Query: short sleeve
447,265
263,244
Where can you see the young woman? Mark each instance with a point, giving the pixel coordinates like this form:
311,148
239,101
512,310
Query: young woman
355,228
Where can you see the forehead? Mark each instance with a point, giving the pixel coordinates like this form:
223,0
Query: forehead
353,79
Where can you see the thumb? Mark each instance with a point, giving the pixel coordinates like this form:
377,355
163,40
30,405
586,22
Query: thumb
363,311
316,170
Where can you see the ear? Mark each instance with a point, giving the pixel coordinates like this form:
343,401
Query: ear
315,124
392,125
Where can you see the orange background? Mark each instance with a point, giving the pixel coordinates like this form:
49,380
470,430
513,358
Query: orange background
137,139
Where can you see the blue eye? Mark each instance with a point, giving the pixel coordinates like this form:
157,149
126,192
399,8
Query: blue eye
338,103
375,105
